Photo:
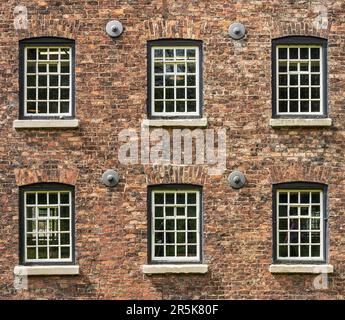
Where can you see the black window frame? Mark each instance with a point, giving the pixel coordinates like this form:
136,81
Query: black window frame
45,186
300,186
173,187
45,41
302,40
174,43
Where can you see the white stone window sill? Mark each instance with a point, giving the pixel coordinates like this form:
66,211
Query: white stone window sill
175,268
184,123
301,268
279,123
46,270
45,123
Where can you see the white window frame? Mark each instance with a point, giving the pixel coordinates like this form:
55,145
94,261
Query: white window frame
321,218
322,71
197,81
58,219
198,231
47,114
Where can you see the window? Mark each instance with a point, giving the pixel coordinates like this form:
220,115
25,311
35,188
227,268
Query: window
175,78
175,222
47,78
47,224
299,77
300,222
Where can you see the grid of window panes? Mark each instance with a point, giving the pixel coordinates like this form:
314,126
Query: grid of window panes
48,226
175,225
299,80
175,81
47,81
299,224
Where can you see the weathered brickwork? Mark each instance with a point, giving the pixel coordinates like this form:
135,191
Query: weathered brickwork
111,223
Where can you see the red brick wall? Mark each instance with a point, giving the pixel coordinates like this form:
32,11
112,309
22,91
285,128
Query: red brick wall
111,226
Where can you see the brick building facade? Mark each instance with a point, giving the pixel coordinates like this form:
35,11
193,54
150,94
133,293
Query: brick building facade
237,239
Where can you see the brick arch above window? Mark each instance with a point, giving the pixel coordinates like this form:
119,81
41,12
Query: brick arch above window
55,28
27,176
306,28
298,172
168,174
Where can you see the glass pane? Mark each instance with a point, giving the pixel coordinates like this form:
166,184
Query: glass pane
170,237
53,80
42,253
42,107
294,106
64,225
30,226
31,81
170,224
159,237
31,67
53,94
31,94
64,197
159,251
283,211
64,212
283,237
181,237
42,198
181,251
315,106
53,252
315,53
64,107
159,106
191,251
294,237
304,211
53,107
158,211
180,211
65,238
191,237
169,211
293,53
31,107
304,79
170,251
293,224
283,251
191,106
64,94
293,80
65,252
315,211
64,67
304,251
31,253
170,198
30,198
180,106
282,53
181,224
293,197
304,237
293,211
65,80
31,54
283,224
159,224
170,106
304,52
283,197
191,224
